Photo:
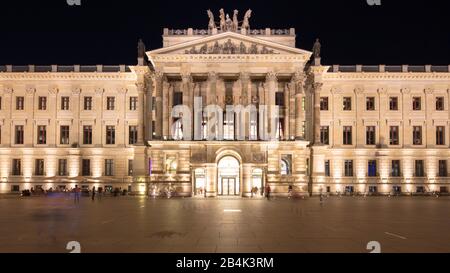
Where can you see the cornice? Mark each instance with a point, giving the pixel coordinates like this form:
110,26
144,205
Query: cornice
385,76
229,58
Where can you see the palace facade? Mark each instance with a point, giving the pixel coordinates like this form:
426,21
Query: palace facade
355,129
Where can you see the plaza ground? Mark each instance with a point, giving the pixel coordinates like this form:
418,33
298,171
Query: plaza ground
139,224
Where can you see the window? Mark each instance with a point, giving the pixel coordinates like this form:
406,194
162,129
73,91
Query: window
20,103
393,135
279,99
87,103
395,170
372,168
440,135
417,135
65,103
370,103
110,103
62,167
419,168
327,168
253,127
303,103
325,135
130,167
15,188
228,125
417,104
86,167
440,104
42,135
177,98
348,168
442,168
16,167
132,135
347,103
64,135
87,135
109,167
347,136
280,129
285,165
393,103
133,103
110,135
42,103
19,134
39,167
370,135
324,104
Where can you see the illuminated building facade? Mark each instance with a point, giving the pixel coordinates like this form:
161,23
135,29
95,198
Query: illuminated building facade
356,129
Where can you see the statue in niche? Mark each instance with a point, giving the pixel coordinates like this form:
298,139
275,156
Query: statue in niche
235,21
246,22
316,49
203,49
141,49
242,48
229,23
212,23
223,24
253,49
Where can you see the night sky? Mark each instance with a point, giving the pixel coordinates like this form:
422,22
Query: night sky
106,32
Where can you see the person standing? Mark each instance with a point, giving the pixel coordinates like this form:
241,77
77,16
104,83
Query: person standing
77,194
93,193
268,192
290,191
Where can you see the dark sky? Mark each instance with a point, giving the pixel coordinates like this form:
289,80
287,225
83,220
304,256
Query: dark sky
106,32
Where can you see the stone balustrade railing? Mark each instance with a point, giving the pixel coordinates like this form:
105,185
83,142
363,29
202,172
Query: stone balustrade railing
64,68
205,32
390,68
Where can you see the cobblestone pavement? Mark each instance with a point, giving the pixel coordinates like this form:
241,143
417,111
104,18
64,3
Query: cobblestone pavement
139,224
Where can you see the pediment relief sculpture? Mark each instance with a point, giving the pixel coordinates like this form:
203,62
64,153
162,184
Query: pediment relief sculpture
230,47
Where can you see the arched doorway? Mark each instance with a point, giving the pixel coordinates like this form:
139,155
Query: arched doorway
228,169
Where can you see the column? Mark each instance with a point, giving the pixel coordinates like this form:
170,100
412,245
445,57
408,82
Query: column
271,87
75,109
8,128
298,86
54,123
244,79
165,109
159,77
383,134
317,87
140,86
429,132
97,130
186,88
287,107
360,131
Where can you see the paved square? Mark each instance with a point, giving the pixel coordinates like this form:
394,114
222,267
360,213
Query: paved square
138,224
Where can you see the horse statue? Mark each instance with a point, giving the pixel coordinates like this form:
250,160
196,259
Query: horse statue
246,22
212,23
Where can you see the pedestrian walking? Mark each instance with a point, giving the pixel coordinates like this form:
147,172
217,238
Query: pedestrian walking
268,192
100,192
77,194
93,193
290,191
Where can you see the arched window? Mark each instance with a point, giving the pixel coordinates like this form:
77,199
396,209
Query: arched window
285,169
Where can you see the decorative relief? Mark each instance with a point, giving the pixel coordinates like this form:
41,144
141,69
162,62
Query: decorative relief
406,91
230,47
8,90
429,91
53,90
99,91
271,76
258,158
76,91
30,90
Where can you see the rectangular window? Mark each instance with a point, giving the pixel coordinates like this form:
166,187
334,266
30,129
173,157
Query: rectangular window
133,103
440,135
303,103
324,104
42,135
417,104
440,104
39,167
347,135
395,170
442,168
86,167
62,167
65,103
327,168
87,135
87,103
110,135
130,167
64,135
347,103
393,103
177,98
393,135
370,103
419,170
325,135
19,134
417,135
348,168
110,103
20,103
109,167
42,103
370,135
132,135
16,167
372,168
279,99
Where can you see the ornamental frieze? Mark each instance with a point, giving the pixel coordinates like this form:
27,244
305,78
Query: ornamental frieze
230,47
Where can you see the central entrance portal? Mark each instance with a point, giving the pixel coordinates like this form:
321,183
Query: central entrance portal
229,177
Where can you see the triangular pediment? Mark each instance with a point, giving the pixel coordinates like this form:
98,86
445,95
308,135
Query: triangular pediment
228,43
